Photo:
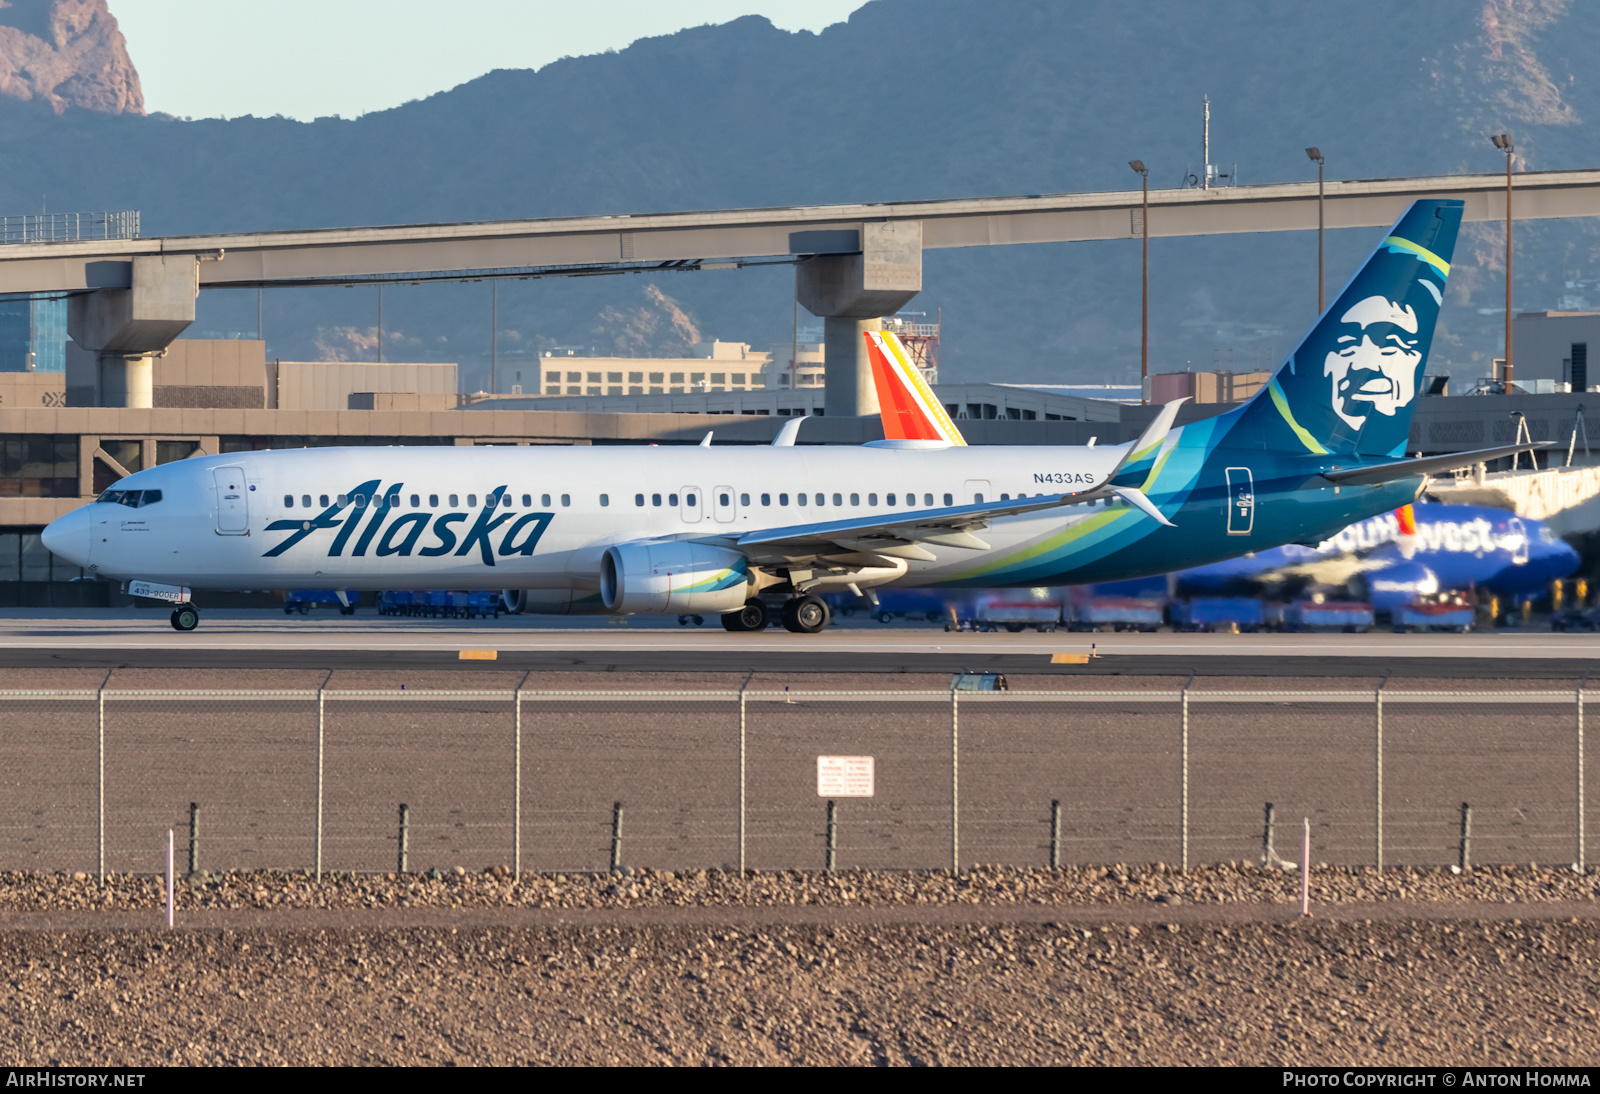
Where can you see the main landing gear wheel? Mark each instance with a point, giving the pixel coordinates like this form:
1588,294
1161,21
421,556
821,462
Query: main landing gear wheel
751,617
185,617
805,615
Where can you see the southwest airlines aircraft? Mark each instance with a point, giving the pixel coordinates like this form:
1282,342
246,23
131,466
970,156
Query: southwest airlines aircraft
738,531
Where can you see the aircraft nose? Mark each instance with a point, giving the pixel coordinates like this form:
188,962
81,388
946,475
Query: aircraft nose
67,537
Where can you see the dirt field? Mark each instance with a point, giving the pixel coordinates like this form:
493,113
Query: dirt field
1115,966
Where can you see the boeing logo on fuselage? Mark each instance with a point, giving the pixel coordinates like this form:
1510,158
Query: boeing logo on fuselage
402,535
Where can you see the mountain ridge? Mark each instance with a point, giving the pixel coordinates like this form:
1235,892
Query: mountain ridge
908,99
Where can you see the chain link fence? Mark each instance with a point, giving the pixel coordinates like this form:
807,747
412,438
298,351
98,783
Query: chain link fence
570,781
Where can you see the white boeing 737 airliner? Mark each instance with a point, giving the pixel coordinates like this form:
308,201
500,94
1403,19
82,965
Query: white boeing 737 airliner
738,531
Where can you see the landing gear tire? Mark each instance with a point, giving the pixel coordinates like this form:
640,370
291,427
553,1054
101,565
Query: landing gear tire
185,618
347,609
805,615
751,617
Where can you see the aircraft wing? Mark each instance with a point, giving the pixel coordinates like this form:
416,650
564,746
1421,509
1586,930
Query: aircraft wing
1373,474
899,535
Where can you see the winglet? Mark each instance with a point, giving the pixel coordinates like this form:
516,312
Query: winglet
705,442
1141,455
791,430
910,411
1136,498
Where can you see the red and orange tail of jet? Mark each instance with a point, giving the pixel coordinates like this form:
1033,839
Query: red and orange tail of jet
910,411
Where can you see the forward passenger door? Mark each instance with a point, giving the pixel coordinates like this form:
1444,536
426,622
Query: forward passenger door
233,506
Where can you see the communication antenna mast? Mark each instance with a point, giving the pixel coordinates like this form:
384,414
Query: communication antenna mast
1209,174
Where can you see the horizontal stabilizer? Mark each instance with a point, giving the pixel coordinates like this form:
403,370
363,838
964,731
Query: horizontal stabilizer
1373,474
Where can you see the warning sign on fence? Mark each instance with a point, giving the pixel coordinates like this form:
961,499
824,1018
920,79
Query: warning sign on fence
844,776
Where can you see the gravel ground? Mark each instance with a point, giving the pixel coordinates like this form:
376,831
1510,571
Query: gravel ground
1302,994
352,970
981,886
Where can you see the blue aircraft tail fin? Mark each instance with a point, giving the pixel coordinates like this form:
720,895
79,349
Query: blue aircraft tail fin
1350,386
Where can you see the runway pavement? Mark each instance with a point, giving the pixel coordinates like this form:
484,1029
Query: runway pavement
263,639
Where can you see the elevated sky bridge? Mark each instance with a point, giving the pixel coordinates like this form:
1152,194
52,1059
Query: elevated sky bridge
131,297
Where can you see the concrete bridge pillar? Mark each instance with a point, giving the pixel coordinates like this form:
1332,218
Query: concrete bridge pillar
851,293
126,328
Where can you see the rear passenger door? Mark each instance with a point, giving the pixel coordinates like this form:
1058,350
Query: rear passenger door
722,507
691,507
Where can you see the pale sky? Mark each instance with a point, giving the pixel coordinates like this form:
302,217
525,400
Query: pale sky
311,58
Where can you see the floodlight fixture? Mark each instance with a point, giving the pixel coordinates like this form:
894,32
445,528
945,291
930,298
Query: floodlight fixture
1314,154
1138,165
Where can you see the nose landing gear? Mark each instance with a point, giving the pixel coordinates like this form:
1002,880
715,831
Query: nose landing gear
185,617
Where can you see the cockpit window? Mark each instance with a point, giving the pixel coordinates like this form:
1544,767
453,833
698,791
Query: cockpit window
133,499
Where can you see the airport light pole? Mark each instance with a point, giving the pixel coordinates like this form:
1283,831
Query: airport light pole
1502,141
1144,283
1316,157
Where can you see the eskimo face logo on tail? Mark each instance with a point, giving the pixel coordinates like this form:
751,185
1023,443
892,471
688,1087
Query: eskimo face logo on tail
1374,367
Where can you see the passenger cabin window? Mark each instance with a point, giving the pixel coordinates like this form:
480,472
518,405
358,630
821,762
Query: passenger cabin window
638,499
343,501
544,501
566,500
888,499
288,501
949,499
655,499
872,499
505,500
527,501
783,499
605,500
305,500
799,499
838,500
977,499
766,499
433,501
855,499
672,500
688,500
361,501
455,500
744,499
324,501
416,502
472,501
724,500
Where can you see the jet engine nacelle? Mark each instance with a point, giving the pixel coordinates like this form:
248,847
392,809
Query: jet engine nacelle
673,576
